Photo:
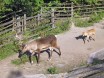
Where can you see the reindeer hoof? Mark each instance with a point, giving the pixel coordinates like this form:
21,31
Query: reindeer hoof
60,55
32,62
49,60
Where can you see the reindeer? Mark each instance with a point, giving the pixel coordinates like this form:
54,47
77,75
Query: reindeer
39,45
88,34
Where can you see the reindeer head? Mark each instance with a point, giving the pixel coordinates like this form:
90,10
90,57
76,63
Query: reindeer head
22,50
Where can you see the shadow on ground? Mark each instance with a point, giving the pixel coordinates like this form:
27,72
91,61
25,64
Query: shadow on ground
15,74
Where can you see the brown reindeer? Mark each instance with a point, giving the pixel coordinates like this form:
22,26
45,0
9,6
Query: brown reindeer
39,45
89,34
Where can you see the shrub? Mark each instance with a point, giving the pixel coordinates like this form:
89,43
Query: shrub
52,70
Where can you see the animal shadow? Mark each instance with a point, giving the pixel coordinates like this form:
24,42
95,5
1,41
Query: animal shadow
81,37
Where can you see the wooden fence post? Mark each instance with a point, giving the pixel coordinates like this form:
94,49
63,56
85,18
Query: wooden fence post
38,19
18,25
52,18
14,23
24,22
41,14
72,15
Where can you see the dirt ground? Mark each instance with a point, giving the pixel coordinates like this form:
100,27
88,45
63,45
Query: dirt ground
74,53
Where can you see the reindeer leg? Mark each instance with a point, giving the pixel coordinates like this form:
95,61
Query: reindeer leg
88,38
49,55
59,53
84,40
36,57
38,60
51,50
20,56
30,59
92,38
29,54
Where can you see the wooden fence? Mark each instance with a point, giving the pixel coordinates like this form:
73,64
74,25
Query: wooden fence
47,17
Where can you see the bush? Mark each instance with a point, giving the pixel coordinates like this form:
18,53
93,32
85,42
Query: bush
52,70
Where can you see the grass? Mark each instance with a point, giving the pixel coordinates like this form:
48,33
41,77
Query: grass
24,60
94,18
17,62
7,50
6,37
82,23
52,70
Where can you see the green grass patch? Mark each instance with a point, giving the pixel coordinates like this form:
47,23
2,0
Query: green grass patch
17,62
7,37
52,70
23,61
7,50
61,26
94,18
82,23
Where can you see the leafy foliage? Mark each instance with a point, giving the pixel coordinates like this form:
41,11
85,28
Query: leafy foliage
52,70
32,7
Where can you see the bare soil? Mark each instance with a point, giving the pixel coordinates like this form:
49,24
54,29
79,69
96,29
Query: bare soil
74,54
